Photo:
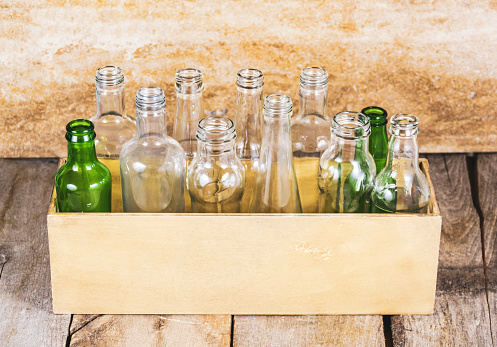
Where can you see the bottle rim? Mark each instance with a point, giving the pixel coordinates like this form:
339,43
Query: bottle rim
351,125
277,105
189,81
80,130
404,124
150,99
249,78
109,76
375,114
216,130
314,76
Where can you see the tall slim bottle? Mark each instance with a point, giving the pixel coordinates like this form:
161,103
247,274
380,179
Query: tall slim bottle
189,110
276,189
248,123
83,184
310,133
152,164
378,140
112,126
401,186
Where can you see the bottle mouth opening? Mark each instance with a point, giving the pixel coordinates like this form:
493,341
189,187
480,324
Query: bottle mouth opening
150,99
404,124
377,115
189,81
314,77
80,130
109,76
216,130
351,125
250,78
277,105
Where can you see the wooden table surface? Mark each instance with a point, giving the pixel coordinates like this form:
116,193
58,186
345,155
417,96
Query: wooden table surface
465,307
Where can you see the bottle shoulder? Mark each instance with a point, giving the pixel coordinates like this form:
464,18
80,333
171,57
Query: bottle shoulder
89,172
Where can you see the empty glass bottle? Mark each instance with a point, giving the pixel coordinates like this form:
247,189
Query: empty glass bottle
276,189
248,123
401,186
83,184
112,126
189,111
346,169
378,140
216,176
152,164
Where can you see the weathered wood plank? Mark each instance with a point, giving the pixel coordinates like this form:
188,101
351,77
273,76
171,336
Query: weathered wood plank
308,331
25,295
461,315
155,330
487,193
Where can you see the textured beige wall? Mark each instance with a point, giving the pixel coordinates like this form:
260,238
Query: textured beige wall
434,59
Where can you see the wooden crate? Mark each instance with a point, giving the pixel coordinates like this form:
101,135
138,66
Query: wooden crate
126,263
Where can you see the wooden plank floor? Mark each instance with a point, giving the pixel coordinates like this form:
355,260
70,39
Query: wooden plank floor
466,302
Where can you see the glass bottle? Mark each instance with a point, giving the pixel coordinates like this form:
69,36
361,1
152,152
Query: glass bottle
346,169
83,184
378,140
310,133
248,123
401,186
276,189
216,176
152,164
189,110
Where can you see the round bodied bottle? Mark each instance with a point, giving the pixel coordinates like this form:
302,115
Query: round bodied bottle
346,169
216,176
152,164
401,186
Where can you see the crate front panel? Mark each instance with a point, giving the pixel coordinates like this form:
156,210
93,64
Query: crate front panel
243,264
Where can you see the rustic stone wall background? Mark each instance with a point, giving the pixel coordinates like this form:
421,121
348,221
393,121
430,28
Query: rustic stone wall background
434,59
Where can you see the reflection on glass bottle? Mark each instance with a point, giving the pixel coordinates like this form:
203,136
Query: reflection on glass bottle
189,110
216,176
152,164
83,184
378,140
112,126
276,189
248,123
310,133
346,169
401,186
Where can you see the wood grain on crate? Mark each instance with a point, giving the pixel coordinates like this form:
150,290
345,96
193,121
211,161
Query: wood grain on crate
461,316
429,58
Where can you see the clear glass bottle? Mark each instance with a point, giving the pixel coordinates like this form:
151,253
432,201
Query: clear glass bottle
152,164
310,133
401,186
189,110
112,126
216,176
83,184
248,123
346,169
276,189
378,140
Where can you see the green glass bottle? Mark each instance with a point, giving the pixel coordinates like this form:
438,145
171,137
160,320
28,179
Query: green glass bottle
83,184
378,140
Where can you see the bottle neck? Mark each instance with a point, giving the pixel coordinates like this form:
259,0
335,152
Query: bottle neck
277,142
190,107
151,123
403,148
348,149
313,101
110,101
209,149
81,152
248,122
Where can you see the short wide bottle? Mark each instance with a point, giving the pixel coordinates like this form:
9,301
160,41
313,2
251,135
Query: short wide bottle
216,176
401,186
83,184
152,164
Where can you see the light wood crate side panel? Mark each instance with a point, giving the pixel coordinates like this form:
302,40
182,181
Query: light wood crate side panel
331,264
